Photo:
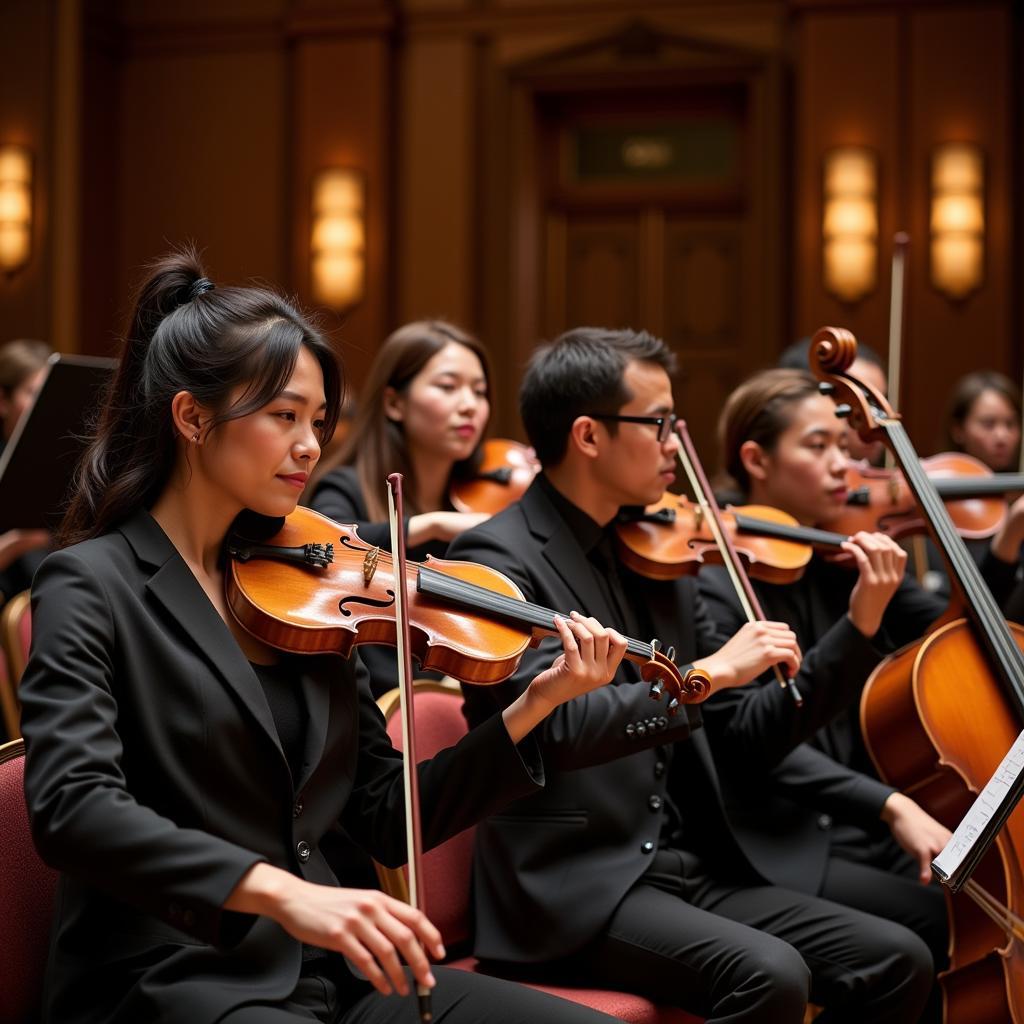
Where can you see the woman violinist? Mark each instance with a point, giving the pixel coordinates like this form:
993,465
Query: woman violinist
783,446
984,419
422,412
180,773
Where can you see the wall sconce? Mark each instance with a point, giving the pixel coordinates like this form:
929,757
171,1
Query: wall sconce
15,207
850,222
338,243
957,219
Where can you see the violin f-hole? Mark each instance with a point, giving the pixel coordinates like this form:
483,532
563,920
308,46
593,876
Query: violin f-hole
373,602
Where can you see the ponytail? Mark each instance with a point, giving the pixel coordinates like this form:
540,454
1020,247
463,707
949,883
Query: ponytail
233,349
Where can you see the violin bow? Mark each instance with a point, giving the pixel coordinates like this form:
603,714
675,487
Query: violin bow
413,833
705,497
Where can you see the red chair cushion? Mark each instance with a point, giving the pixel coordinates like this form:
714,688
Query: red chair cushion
623,1005
26,903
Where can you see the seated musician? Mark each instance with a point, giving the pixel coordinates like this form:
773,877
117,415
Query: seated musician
782,446
422,412
629,870
22,367
180,773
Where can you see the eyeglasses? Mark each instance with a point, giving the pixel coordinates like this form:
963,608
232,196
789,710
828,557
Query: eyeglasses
665,424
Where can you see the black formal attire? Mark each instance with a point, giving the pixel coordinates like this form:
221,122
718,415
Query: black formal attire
631,867
161,767
339,496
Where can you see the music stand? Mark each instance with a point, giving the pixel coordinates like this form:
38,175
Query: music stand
39,459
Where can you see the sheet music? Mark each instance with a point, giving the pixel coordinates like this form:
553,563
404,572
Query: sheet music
990,803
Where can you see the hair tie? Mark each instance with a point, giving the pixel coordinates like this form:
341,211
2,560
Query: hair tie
200,285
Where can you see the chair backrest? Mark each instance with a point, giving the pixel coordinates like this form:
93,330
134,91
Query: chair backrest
446,869
9,708
26,897
16,631
15,639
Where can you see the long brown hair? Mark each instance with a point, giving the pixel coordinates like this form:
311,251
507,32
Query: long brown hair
186,335
760,410
968,390
376,445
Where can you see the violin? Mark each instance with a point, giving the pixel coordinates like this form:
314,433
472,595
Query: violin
506,470
316,587
880,499
938,718
673,538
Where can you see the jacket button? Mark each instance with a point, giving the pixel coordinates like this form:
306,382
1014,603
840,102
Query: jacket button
641,729
630,730
654,802
647,846
824,821
297,808
662,722
659,769
303,850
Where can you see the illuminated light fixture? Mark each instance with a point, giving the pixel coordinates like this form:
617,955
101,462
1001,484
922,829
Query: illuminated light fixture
957,219
15,207
850,222
338,242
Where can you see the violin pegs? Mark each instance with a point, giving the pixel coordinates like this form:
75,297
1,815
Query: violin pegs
825,388
673,706
657,689
844,410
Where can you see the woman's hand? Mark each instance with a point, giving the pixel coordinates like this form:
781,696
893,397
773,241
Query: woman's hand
441,525
1006,544
755,647
375,932
880,565
916,831
590,658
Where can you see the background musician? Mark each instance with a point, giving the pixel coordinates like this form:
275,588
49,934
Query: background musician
632,857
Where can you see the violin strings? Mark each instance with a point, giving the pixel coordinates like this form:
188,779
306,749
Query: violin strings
473,595
1010,922
987,615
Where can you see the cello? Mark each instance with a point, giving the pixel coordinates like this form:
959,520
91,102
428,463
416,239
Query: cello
939,715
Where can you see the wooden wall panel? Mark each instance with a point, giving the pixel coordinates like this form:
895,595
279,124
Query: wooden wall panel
960,91
204,151
341,115
842,98
436,182
27,37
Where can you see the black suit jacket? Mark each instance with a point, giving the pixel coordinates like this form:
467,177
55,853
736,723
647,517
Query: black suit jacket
155,780
551,868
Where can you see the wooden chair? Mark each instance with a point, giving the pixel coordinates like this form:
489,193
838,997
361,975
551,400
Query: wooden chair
15,639
27,887
446,869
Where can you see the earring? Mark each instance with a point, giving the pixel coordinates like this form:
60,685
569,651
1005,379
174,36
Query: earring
195,437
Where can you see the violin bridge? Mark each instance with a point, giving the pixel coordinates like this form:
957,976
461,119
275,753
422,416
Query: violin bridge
698,517
894,490
370,560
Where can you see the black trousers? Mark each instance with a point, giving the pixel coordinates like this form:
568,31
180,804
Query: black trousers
458,998
748,953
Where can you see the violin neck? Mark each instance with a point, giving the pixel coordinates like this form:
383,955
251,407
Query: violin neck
951,488
799,534
986,616
522,614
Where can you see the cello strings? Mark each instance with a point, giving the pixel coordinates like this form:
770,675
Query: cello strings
1010,922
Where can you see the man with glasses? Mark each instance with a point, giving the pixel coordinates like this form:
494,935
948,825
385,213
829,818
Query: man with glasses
627,871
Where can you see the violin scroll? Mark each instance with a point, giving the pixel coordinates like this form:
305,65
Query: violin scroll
832,352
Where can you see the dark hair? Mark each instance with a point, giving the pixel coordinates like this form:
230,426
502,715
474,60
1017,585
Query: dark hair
581,372
376,445
760,410
19,359
796,356
186,335
968,390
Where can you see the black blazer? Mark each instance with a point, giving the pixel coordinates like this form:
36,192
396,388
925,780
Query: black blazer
551,868
155,780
